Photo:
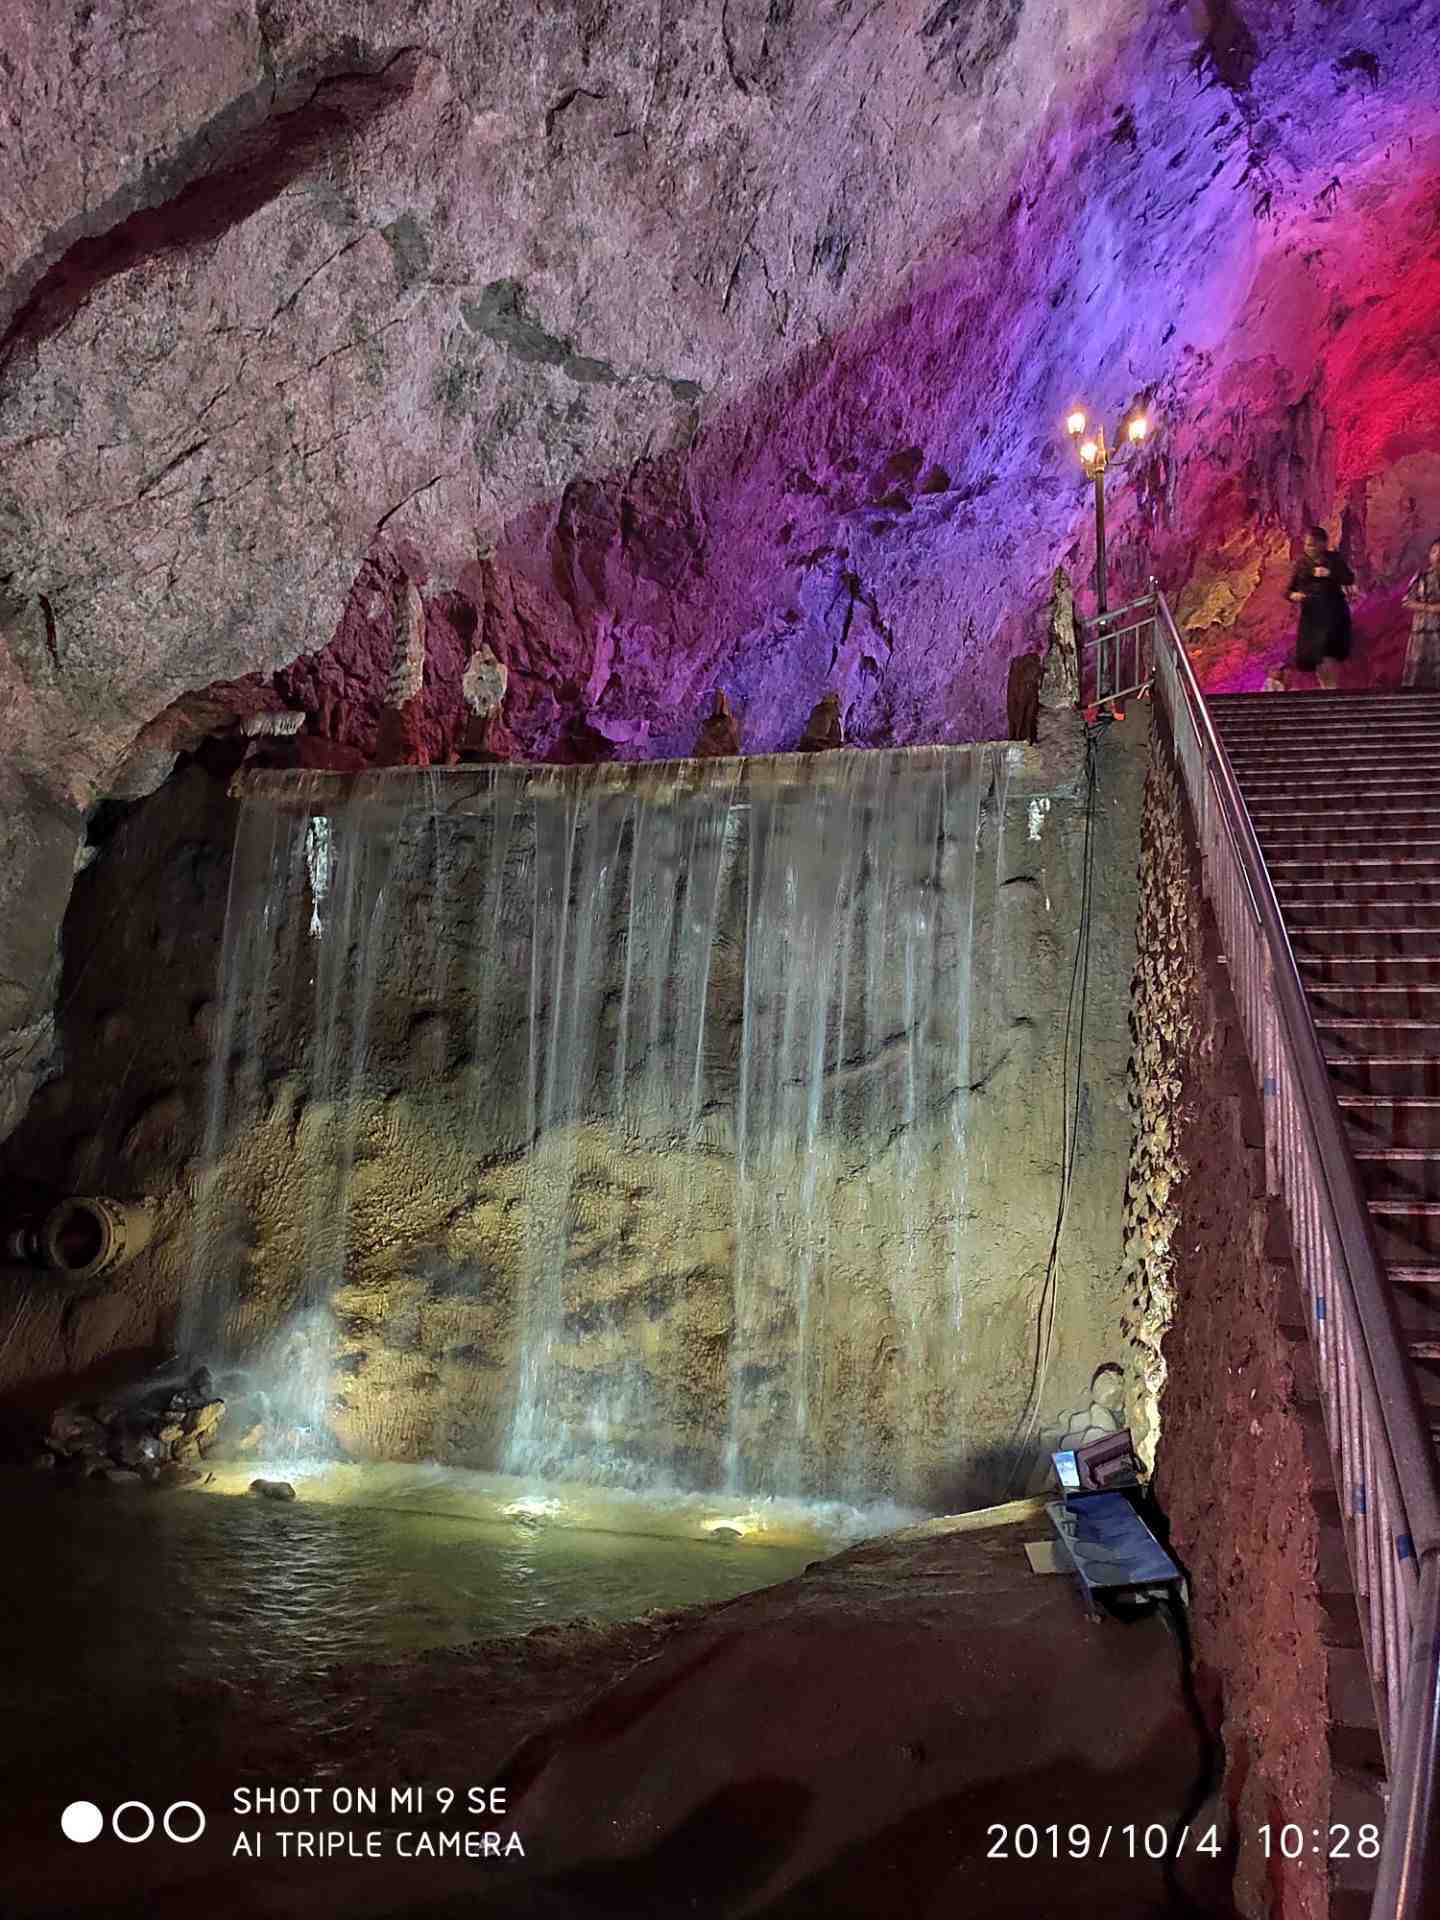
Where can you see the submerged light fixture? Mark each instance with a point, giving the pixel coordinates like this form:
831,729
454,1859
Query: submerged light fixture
531,1508
1095,458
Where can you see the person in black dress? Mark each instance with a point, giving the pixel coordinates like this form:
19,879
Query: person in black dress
1318,584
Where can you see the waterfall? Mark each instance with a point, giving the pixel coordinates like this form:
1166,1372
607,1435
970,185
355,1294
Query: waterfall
603,1123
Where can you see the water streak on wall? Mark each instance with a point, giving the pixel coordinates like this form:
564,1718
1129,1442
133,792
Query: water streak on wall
736,995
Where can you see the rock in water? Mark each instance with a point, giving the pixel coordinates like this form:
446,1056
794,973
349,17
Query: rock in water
174,1474
823,729
273,1489
204,1420
720,735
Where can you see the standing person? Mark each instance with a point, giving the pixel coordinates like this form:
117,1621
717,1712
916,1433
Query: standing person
1318,584
1422,603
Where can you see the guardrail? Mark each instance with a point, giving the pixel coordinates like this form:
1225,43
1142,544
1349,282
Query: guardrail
1385,1463
1117,652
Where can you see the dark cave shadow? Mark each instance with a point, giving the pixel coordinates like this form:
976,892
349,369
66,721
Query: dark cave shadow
930,1862
27,1405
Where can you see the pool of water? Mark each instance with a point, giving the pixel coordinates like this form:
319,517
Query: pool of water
119,1601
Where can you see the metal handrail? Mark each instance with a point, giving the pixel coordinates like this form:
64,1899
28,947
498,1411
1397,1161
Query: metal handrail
1100,675
1111,614
1385,1463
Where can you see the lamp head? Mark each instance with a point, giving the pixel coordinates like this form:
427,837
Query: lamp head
1138,428
1075,425
1089,451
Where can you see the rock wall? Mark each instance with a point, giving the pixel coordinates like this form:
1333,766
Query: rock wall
1222,1345
429,1291
670,353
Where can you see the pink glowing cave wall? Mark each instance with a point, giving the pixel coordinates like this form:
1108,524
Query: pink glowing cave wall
882,515
851,472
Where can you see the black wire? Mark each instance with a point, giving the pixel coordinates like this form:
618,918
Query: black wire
1167,1603
1079,989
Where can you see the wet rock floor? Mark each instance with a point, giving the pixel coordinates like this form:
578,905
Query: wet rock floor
864,1739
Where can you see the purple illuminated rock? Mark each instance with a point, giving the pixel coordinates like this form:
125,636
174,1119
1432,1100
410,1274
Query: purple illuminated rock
823,730
719,737
660,358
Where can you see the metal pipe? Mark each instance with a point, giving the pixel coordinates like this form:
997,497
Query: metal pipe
1100,537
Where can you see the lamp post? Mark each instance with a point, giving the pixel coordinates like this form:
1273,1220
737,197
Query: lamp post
1095,457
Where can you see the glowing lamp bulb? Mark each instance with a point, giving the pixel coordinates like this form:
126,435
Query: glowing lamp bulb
1075,425
1089,451
1139,427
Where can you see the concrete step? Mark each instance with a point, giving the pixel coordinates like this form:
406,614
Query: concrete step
1394,1040
1383,887
1332,1553
1418,1310
1399,1173
1252,737
1349,866
1355,1722
1363,893
1341,916
1306,815
1357,1801
1352,767
1425,1274
1379,1124
1311,873
1348,829
1345,1000
1407,1233
1359,970
1384,1081
1415,945
1302,784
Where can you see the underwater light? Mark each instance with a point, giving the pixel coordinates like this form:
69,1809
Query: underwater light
735,1529
531,1508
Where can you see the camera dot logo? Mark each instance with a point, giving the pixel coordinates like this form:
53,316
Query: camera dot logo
82,1821
133,1831
132,1821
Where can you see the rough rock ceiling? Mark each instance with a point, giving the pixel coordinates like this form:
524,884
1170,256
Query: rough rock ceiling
672,347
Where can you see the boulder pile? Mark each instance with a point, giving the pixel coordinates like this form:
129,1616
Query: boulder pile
158,1438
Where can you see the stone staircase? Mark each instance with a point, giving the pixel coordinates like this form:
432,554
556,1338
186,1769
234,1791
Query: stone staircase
1343,790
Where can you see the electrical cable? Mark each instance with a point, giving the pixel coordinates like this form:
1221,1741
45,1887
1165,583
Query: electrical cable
1070,1121
1171,1608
